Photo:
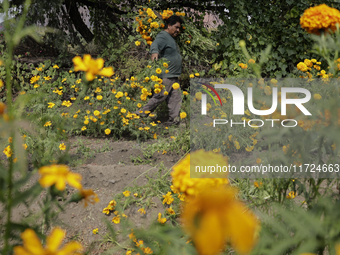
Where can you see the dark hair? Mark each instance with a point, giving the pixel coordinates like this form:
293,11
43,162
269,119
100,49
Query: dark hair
173,20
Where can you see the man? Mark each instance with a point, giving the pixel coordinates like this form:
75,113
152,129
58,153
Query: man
165,46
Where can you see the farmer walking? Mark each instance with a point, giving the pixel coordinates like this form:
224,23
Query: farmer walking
165,46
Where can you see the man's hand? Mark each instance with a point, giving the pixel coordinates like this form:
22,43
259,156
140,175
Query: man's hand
154,56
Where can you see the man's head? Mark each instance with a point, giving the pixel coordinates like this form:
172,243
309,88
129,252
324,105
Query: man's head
173,25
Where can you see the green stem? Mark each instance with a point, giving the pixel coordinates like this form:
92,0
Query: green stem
9,206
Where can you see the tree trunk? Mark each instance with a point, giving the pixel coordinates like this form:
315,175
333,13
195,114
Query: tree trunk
73,12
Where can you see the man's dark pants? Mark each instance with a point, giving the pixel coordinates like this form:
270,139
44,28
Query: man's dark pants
173,99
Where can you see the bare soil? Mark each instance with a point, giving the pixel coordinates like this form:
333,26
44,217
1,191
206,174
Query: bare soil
107,173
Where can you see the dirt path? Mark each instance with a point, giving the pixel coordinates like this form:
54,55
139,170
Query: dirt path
108,170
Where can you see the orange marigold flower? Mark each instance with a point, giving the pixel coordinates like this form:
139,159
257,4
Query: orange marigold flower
320,18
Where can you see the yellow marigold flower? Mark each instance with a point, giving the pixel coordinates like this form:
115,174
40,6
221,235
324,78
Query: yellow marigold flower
273,81
147,250
34,79
137,43
83,128
56,67
119,94
123,110
160,219
141,211
47,78
190,186
258,161
251,61
197,74
291,195
215,217
165,65
166,92
157,90
257,184
198,95
158,70
243,66
95,231
267,90
116,220
302,67
126,193
175,85
8,151
92,67
183,115
320,18
139,105
59,175
185,93
66,103
107,131
188,42
50,105
89,196
24,146
96,113
192,76
32,244
99,97
168,199
317,96
154,25
249,148
170,211
1,84
62,147
47,124
308,63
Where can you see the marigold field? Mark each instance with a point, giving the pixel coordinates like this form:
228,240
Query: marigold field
84,170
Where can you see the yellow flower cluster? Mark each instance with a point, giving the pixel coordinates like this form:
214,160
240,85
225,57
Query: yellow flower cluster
320,18
110,208
190,186
148,23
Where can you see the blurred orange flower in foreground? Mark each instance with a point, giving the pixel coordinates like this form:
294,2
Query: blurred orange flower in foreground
215,217
32,244
92,67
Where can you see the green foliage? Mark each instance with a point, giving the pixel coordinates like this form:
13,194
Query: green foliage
260,24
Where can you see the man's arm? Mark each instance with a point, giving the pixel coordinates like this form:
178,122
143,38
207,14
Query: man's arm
157,46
